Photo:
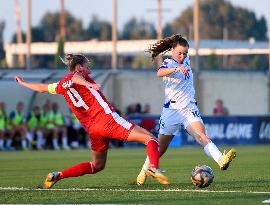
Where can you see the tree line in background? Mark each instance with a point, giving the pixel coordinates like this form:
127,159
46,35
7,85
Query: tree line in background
218,20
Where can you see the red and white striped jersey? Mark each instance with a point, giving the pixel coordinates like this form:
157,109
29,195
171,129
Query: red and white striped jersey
89,105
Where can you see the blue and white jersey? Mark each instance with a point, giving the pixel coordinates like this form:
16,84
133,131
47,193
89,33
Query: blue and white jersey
179,90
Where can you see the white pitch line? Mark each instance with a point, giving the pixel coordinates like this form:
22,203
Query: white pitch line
266,201
134,190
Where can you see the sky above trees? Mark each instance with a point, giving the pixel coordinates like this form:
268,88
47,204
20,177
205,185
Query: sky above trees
85,9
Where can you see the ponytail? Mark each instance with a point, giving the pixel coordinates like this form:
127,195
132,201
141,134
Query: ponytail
165,45
71,60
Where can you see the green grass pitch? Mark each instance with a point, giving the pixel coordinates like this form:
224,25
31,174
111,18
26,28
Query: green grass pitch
248,176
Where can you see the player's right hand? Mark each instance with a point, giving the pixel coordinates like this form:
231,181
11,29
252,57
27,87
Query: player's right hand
18,79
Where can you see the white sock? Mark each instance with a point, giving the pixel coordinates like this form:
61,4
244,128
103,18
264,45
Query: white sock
39,140
9,141
29,137
55,144
212,151
146,164
1,143
24,144
65,141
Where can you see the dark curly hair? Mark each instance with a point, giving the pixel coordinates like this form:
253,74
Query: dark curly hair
164,45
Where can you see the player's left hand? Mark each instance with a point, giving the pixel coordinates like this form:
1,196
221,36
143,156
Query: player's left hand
183,70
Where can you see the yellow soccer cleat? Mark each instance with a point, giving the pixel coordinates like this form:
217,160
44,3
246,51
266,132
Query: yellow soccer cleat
226,159
141,178
157,175
50,180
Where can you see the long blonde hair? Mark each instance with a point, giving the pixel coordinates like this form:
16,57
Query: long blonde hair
166,44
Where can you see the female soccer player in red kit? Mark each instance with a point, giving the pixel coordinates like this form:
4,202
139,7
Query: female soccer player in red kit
98,117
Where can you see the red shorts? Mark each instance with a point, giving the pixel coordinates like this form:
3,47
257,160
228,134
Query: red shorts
111,126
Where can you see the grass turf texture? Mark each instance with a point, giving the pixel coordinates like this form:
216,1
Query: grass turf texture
249,172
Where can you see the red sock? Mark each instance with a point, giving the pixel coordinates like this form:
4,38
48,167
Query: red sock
78,170
153,153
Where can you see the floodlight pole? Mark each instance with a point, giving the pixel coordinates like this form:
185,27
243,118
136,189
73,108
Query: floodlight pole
268,68
269,62
114,36
19,32
196,33
62,21
197,83
28,36
269,54
159,22
159,27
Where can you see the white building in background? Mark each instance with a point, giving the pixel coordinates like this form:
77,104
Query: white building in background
135,47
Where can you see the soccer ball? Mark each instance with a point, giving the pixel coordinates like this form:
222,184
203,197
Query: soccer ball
202,176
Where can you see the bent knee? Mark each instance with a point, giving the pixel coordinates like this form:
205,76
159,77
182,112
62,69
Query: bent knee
99,167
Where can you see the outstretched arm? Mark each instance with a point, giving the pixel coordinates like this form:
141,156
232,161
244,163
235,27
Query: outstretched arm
167,71
32,86
79,79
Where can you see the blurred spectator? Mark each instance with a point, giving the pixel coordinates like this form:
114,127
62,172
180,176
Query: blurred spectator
48,126
2,125
134,108
18,127
219,109
7,128
131,109
146,108
38,137
138,109
76,133
34,129
60,127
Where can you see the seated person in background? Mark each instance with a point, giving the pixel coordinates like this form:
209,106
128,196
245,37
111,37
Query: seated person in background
34,127
147,108
6,131
134,108
77,134
2,125
219,109
18,126
131,109
60,127
138,108
48,126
